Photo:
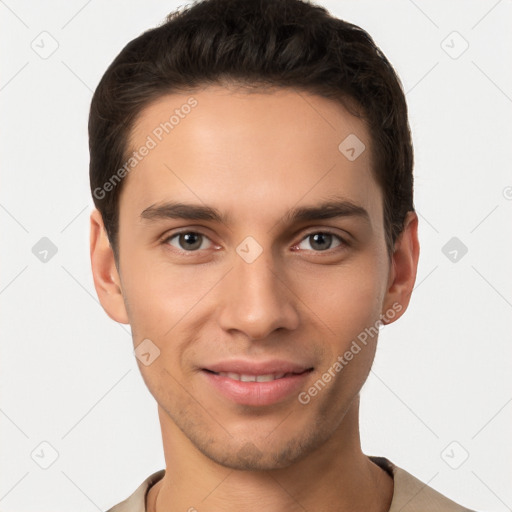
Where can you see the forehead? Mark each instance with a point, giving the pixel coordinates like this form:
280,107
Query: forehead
250,151
239,112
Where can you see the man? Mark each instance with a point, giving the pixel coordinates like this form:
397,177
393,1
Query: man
251,166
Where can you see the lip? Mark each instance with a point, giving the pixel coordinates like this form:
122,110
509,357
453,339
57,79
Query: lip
257,367
256,393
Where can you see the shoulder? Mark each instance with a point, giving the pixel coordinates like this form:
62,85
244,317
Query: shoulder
413,495
136,502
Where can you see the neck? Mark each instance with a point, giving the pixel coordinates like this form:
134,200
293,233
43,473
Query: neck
336,476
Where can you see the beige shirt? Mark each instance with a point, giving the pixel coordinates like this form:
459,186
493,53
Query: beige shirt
409,495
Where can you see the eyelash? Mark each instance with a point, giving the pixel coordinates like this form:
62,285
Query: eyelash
343,243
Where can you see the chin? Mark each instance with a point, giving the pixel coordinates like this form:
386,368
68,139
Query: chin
261,454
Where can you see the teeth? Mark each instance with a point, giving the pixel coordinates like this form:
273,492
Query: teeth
252,378
265,378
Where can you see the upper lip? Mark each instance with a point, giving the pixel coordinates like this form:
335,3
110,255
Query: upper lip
268,367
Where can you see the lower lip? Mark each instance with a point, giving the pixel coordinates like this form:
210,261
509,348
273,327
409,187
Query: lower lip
257,393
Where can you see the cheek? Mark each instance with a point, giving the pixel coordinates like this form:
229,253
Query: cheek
346,299
159,294
350,307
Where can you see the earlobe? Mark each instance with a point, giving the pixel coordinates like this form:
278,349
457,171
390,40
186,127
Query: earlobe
105,275
403,270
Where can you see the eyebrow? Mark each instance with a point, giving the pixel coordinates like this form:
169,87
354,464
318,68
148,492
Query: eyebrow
333,208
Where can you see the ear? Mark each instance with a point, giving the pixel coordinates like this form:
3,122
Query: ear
402,275
106,278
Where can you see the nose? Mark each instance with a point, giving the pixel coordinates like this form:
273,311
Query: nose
256,299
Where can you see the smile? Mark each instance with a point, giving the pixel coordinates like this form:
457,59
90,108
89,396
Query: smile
253,378
255,388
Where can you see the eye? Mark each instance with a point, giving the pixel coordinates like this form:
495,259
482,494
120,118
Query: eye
188,241
321,241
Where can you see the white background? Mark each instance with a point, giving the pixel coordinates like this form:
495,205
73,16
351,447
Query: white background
442,373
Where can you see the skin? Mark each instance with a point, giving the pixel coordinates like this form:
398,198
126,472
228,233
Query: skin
255,157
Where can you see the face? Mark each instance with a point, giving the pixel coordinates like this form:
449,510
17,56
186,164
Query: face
252,257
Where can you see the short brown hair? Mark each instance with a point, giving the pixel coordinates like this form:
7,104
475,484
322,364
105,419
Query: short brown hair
254,43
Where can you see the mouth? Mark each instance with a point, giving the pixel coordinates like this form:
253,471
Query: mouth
256,388
244,377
